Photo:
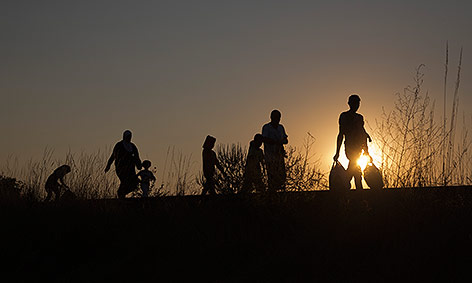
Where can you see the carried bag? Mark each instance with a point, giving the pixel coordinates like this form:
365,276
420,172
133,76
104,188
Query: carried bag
338,178
373,177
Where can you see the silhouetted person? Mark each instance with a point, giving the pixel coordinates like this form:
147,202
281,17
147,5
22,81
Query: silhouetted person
254,165
210,161
146,177
55,182
126,158
351,129
274,153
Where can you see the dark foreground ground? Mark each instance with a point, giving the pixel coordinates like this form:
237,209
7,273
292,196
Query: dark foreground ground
388,235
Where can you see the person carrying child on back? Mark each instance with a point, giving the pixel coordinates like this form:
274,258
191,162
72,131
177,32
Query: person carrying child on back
55,182
146,177
254,166
210,161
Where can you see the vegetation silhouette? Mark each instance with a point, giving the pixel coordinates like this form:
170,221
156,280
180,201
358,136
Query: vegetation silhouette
415,149
126,158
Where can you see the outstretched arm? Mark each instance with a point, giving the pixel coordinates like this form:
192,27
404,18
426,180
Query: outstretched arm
61,182
340,138
110,160
138,160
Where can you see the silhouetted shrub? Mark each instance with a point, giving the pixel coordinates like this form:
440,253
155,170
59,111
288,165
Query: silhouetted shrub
303,173
10,188
233,159
418,151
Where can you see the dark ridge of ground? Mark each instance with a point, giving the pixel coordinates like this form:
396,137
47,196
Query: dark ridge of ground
389,235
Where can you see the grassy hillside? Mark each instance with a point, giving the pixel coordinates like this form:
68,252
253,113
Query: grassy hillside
397,234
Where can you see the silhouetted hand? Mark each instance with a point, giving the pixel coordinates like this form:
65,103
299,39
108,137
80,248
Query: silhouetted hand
368,137
336,157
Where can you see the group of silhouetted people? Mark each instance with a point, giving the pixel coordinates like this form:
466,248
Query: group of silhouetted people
272,159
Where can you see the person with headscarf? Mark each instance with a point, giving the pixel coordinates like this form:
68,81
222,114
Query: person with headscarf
210,162
126,157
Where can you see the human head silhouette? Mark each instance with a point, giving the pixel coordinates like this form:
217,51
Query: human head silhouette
146,164
354,102
63,170
275,116
258,139
209,142
127,136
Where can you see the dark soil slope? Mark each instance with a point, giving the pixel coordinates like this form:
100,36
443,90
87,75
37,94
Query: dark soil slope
388,235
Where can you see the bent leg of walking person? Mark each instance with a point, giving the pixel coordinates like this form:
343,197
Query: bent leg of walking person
209,186
276,174
128,183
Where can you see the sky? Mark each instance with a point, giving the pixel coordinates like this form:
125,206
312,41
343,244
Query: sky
75,74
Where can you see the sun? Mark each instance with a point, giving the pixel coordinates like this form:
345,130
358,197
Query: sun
363,161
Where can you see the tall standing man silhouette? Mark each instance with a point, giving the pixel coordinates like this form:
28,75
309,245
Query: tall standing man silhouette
351,129
274,139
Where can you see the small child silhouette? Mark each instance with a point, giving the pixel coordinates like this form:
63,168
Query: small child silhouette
145,177
55,182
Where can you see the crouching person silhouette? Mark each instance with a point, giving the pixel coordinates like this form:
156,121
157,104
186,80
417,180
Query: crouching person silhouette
352,131
126,157
55,182
210,161
254,167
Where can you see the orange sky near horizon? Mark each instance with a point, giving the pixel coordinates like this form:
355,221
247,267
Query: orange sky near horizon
75,76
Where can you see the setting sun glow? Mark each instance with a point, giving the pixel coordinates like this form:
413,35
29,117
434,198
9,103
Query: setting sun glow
363,161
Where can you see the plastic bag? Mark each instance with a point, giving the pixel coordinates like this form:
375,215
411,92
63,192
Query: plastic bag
373,177
338,178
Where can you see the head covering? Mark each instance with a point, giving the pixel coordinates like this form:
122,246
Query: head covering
62,170
126,134
209,142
